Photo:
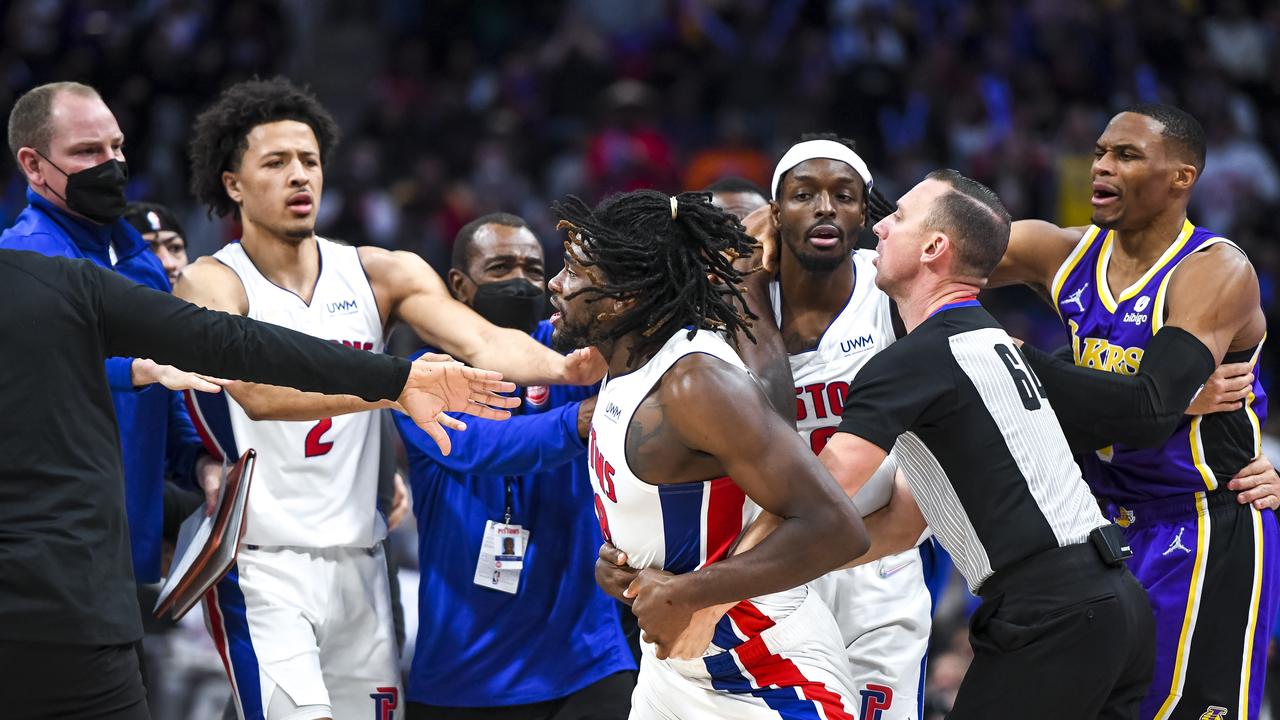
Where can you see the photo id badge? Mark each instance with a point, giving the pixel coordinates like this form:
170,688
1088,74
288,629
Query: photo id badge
501,556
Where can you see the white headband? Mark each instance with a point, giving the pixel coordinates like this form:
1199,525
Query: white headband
814,149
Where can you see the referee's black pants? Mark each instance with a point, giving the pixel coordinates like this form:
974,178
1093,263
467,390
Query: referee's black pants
70,682
1060,635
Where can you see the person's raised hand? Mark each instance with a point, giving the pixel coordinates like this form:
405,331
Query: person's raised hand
1225,390
584,366
760,225
435,386
146,372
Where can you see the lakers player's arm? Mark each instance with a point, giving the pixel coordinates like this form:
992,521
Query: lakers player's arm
1213,306
1036,250
715,409
408,289
210,284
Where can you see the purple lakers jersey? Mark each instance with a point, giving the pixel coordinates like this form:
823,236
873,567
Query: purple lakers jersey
1110,332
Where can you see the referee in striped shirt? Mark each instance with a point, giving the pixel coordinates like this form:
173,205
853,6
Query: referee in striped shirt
1064,630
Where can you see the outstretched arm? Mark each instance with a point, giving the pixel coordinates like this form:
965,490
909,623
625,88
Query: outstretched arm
210,284
724,414
408,289
142,322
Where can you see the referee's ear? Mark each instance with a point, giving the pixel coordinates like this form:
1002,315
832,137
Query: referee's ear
936,248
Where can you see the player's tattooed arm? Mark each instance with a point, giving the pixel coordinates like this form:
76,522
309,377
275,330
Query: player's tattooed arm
646,425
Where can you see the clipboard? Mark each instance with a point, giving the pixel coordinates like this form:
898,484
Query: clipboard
207,545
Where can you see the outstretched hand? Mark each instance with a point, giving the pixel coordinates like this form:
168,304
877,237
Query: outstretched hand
584,366
438,383
146,372
760,225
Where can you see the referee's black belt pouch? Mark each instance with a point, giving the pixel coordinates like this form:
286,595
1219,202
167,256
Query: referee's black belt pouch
1062,571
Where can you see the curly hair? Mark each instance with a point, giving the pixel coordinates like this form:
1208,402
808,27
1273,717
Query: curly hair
221,133
661,257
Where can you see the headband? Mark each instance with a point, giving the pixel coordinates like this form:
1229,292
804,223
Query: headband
814,149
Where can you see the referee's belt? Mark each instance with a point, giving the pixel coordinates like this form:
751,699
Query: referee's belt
1175,508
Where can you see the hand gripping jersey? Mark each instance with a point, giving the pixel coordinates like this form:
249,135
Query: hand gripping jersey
677,528
316,481
1110,332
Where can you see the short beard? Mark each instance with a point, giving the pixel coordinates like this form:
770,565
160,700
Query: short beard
565,339
816,264
300,234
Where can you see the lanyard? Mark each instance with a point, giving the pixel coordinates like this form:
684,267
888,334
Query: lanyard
506,520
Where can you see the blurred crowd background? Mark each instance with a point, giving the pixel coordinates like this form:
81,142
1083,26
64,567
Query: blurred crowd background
451,109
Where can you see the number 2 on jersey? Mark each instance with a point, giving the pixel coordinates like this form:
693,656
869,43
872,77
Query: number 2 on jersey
315,447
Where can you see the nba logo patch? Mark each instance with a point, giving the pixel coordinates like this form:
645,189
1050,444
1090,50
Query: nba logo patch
1214,712
537,395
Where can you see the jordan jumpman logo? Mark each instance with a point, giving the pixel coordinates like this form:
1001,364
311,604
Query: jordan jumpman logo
1075,297
1177,544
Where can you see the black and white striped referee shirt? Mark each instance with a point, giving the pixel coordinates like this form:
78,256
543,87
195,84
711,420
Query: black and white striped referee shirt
977,440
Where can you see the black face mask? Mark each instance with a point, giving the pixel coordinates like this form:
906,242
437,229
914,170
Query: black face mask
97,192
514,303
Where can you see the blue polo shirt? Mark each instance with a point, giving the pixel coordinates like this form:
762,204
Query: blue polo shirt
155,430
480,647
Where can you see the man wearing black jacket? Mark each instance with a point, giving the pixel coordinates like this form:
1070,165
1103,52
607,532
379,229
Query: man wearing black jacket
68,613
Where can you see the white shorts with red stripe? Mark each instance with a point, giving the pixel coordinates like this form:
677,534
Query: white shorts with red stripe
884,613
795,668
314,623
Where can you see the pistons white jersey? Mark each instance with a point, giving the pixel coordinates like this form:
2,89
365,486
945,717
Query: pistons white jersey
316,481
678,528
822,375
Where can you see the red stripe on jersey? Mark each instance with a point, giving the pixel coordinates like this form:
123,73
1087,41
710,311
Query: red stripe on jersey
771,669
219,636
206,435
724,517
748,618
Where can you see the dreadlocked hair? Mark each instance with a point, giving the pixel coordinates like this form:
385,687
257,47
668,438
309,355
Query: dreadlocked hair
878,207
639,246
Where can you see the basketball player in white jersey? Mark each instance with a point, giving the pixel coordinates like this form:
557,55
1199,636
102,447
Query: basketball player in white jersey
303,621
683,448
833,320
